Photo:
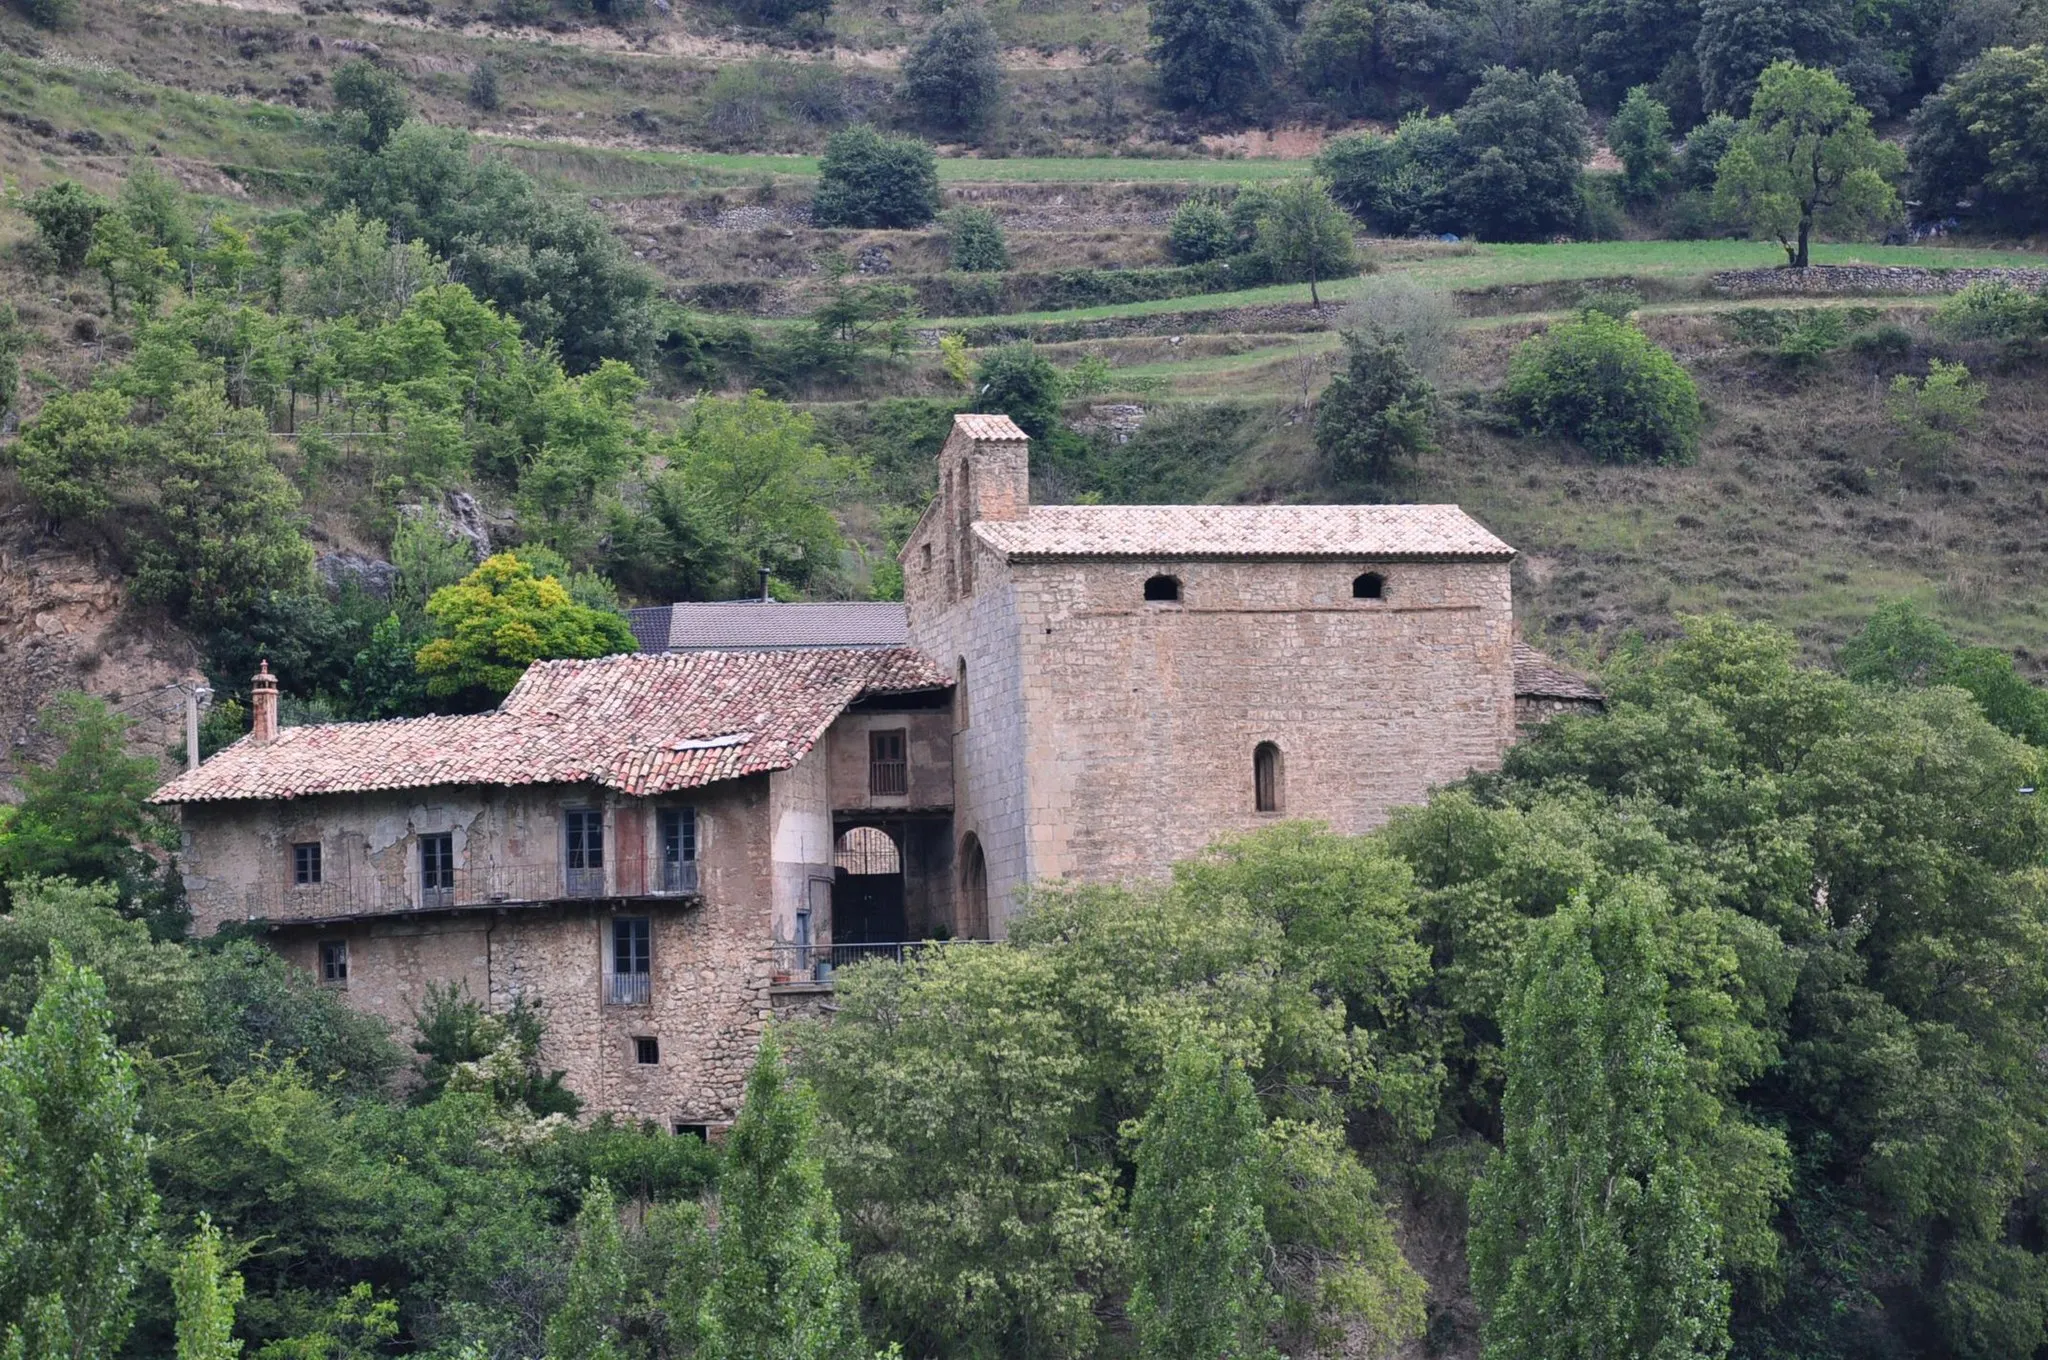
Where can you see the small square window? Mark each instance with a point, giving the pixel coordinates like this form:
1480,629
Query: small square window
306,863
700,1132
646,1050
334,962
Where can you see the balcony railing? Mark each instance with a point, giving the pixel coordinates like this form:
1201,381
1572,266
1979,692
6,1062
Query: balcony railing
888,778
347,891
628,989
817,962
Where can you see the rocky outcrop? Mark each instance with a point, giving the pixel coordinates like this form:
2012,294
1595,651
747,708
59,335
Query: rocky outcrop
340,570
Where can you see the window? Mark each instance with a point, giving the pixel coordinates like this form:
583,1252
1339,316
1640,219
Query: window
700,1132
437,870
973,913
678,830
1162,589
583,851
1371,586
1266,776
334,962
960,715
888,764
629,974
306,863
924,558
646,1050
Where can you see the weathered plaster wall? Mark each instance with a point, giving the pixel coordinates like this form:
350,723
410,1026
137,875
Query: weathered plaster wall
800,818
929,747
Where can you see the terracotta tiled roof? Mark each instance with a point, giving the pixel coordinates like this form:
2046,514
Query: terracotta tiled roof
1000,428
643,725
1411,532
745,625
1538,677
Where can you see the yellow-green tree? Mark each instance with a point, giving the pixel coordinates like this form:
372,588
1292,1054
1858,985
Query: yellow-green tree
500,619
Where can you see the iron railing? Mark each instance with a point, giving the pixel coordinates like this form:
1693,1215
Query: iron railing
679,876
360,891
817,962
628,989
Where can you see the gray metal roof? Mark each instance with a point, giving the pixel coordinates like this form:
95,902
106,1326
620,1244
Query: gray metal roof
764,625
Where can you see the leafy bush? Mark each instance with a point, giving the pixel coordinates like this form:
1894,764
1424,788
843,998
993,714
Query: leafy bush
1932,414
1199,233
868,180
1699,160
782,13
1992,309
1523,140
1374,415
66,215
1422,322
1889,341
1619,303
500,619
370,103
1215,56
1022,383
483,87
1600,212
1601,382
1639,134
974,241
955,76
1400,184
1981,139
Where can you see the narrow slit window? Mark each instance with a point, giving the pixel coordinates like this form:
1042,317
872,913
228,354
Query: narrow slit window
306,863
1370,586
1162,589
1266,789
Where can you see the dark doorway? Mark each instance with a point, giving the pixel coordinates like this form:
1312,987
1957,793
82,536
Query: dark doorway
867,890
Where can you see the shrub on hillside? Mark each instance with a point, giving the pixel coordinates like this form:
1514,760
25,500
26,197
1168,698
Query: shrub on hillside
1992,309
1400,184
1215,56
1935,412
483,87
1374,415
1398,311
1601,382
974,241
1021,383
65,214
369,103
1639,134
868,180
1522,142
781,13
1199,232
955,76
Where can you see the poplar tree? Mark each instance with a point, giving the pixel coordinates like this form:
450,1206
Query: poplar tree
206,1292
586,1327
1198,1232
76,1207
1589,1237
783,1286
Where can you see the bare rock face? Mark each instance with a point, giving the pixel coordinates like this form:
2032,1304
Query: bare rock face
464,516
63,627
372,576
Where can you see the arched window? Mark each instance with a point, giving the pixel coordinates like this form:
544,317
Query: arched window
972,916
867,850
1371,586
1163,588
1267,790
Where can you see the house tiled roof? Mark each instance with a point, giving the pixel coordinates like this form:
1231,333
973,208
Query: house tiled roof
650,626
745,625
996,428
641,724
1538,677
1399,532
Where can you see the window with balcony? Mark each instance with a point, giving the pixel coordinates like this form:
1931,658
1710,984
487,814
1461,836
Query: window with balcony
888,763
306,864
437,870
583,852
678,833
334,963
629,965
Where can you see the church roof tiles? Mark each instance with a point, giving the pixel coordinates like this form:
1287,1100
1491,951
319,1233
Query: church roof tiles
1376,532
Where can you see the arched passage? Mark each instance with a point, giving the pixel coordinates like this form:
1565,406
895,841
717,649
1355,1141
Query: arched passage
972,914
867,887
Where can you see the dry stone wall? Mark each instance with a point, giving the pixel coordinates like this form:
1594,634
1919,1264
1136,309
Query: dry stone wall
1859,279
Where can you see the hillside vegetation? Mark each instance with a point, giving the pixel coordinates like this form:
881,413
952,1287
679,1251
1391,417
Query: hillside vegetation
403,344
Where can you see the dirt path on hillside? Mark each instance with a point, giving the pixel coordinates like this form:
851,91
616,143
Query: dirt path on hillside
652,41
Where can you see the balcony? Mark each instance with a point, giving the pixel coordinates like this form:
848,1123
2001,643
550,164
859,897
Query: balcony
816,963
363,892
678,878
628,989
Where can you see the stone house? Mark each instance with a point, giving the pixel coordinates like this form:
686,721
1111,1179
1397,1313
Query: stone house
663,849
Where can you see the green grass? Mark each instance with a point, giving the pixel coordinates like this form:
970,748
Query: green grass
1488,266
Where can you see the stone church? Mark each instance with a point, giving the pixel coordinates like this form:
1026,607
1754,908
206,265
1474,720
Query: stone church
663,849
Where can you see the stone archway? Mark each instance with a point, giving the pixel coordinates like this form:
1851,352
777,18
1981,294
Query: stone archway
867,888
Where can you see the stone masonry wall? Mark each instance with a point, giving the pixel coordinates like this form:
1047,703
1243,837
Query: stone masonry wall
1861,279
1142,717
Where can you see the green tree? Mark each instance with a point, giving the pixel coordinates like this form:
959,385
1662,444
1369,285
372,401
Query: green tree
1902,647
207,1291
1018,381
153,203
1699,162
226,532
500,619
13,344
1198,1232
1590,1235
868,180
85,813
52,13
65,214
974,241
954,76
1199,232
1807,158
1303,234
1934,413
76,1207
369,103
75,454
1600,381
586,1326
131,264
1522,143
1400,185
1215,56
483,87
1740,39
1376,414
1982,139
783,1286
782,13
1640,134
1344,53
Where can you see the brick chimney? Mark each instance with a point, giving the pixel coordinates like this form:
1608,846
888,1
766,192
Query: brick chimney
263,705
